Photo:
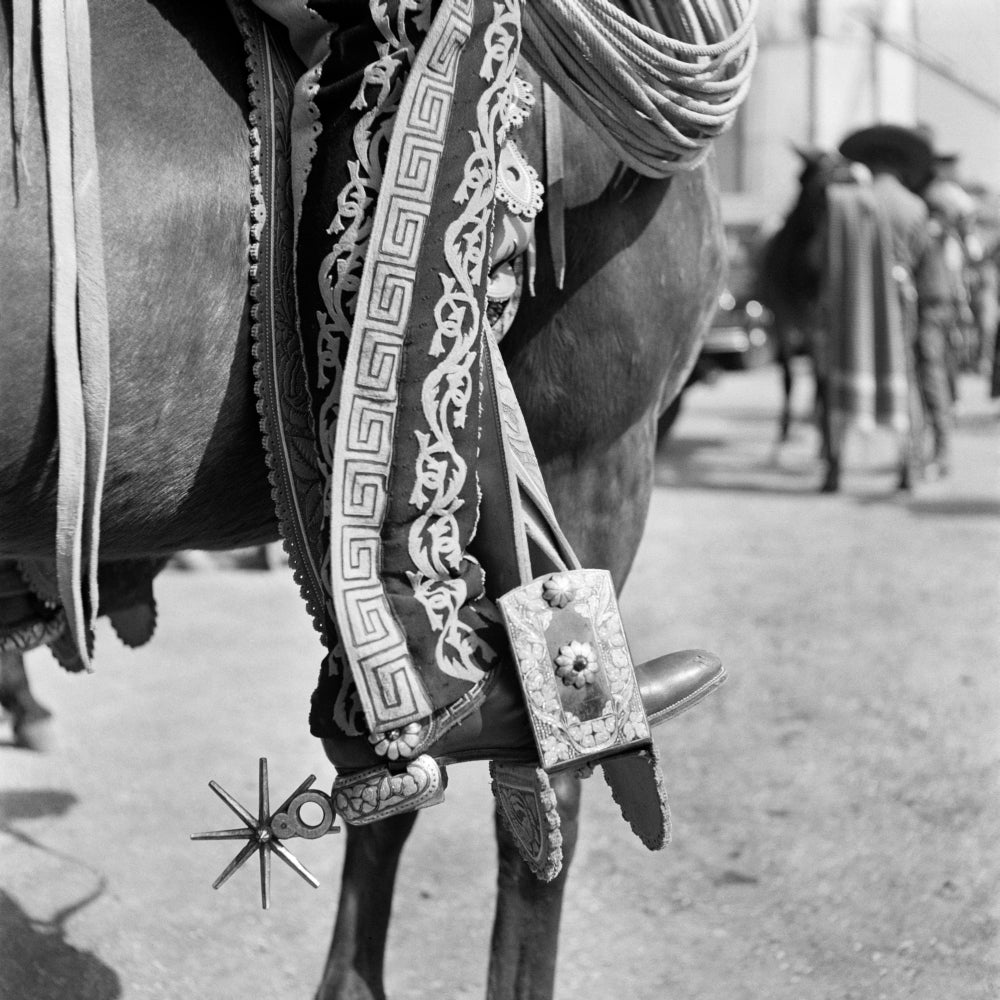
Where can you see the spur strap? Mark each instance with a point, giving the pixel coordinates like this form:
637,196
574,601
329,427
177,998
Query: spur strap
555,191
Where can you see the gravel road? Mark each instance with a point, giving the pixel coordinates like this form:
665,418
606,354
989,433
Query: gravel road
836,806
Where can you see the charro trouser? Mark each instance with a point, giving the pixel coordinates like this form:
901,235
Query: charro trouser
930,359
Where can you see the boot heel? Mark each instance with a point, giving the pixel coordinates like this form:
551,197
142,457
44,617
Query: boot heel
368,796
527,805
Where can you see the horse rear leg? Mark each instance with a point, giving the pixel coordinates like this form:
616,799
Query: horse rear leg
787,385
29,718
831,442
526,926
602,505
355,963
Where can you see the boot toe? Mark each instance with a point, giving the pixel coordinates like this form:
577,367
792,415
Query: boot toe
671,684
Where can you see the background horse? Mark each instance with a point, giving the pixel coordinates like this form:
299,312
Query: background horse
29,718
593,365
791,272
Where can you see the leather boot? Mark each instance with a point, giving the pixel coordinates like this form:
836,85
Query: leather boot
568,698
403,770
494,725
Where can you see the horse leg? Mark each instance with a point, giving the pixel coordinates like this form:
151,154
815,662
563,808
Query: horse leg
29,717
355,962
830,447
602,505
526,926
787,384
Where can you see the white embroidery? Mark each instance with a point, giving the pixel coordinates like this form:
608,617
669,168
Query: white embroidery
441,473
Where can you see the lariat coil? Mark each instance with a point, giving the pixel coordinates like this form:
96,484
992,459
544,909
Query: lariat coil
658,86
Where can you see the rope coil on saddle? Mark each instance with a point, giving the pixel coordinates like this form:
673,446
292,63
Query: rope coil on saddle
657,87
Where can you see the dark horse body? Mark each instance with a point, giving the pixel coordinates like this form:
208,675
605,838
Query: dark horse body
593,365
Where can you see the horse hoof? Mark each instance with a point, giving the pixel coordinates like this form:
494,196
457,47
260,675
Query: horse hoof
37,735
937,469
831,482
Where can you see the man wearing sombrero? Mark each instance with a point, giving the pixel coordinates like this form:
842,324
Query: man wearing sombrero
876,236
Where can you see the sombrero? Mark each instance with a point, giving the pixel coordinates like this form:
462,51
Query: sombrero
893,145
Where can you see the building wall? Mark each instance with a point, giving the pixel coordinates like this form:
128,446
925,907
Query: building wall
966,36
822,72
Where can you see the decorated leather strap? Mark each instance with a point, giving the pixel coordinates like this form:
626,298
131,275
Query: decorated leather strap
279,376
79,309
429,429
405,497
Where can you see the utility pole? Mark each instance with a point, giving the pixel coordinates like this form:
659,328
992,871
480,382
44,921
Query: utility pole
813,30
874,63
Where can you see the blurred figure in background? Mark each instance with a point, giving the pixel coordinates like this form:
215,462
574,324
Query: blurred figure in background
986,308
989,316
876,241
944,307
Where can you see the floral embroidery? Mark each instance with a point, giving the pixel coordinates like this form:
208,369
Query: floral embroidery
554,750
576,663
557,591
634,726
518,101
397,743
443,476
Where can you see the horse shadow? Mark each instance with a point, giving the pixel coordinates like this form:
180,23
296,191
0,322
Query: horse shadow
32,803
38,962
711,463
955,507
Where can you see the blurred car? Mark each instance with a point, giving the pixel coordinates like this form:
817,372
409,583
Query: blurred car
739,338
740,335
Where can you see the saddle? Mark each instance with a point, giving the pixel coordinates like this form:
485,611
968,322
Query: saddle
32,615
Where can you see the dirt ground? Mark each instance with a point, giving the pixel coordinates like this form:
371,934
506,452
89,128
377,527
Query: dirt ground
836,807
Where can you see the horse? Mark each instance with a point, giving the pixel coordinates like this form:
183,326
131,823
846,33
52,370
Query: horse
790,275
30,720
186,465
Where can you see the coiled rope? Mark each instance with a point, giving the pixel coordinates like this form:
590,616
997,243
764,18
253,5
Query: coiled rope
657,85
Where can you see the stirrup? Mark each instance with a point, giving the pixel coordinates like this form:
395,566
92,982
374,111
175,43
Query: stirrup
378,793
583,698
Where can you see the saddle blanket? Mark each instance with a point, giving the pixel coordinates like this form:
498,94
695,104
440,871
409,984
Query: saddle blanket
865,355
